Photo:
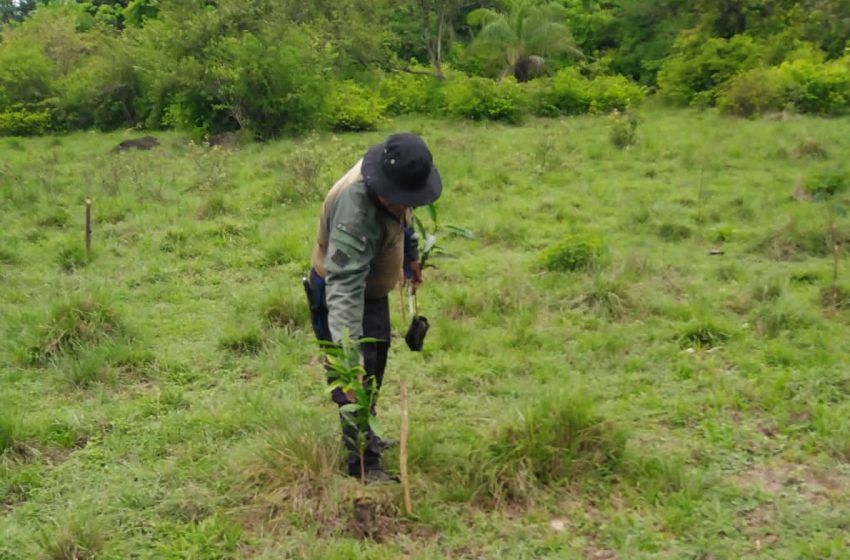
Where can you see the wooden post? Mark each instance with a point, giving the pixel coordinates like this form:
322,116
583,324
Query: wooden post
88,229
405,480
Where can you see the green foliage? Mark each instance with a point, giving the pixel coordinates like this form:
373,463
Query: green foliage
72,256
517,42
703,334
405,93
23,122
755,92
246,340
352,107
695,73
484,99
570,93
573,253
828,183
819,88
25,75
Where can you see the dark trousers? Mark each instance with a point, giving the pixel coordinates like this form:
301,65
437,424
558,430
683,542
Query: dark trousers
376,324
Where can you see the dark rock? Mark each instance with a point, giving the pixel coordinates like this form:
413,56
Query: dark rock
145,143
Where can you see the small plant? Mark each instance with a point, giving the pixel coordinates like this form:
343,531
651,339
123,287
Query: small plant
623,129
573,253
428,247
349,376
284,312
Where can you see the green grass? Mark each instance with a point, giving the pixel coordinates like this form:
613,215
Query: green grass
595,383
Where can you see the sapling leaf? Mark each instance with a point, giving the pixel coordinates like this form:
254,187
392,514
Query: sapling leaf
350,407
376,426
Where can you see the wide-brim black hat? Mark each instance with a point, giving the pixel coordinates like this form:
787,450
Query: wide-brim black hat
401,171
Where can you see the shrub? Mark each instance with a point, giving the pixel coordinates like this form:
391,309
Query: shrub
610,93
568,93
692,75
755,92
573,253
350,106
482,98
23,122
405,93
819,88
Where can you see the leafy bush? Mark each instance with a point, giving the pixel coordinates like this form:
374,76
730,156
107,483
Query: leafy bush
755,92
25,75
405,93
573,253
23,122
818,88
693,75
609,93
350,106
568,93
482,98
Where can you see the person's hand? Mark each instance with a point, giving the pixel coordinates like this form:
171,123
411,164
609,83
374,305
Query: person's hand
416,278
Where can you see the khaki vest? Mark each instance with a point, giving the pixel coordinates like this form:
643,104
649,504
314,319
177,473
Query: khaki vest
386,266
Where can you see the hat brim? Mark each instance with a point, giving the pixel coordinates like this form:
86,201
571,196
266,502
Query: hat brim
391,191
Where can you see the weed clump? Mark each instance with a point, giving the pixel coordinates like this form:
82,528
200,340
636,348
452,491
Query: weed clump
290,469
811,149
7,256
574,253
674,232
559,439
284,312
79,324
704,334
247,342
791,241
836,297
71,257
828,183
77,537
608,297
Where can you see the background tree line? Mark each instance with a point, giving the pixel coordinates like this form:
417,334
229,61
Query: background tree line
276,67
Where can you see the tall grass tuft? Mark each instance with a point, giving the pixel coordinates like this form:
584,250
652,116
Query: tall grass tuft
77,537
558,439
792,241
290,468
80,323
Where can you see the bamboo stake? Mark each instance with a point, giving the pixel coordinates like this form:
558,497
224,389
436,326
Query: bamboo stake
405,480
88,229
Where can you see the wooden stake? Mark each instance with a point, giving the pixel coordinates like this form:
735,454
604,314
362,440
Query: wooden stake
405,480
88,229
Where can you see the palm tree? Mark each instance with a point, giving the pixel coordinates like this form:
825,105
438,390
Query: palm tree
524,36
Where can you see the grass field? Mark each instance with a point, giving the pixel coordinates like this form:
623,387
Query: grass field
595,383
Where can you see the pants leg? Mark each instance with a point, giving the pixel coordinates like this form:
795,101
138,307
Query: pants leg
376,324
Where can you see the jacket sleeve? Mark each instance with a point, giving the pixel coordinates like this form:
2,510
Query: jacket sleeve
352,241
